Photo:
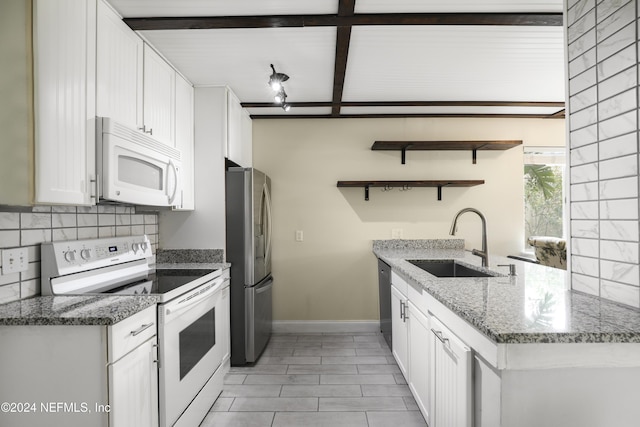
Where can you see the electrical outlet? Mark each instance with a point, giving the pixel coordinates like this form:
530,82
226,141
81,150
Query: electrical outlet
14,260
299,236
396,233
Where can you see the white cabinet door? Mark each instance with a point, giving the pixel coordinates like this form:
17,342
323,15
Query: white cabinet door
119,69
234,128
451,384
399,330
185,142
64,92
159,97
419,340
133,388
246,146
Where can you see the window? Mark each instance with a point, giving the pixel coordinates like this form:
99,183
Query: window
544,169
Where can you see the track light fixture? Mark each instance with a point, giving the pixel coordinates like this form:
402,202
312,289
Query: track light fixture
281,96
275,81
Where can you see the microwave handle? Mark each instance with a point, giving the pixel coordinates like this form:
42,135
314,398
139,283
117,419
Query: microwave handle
175,187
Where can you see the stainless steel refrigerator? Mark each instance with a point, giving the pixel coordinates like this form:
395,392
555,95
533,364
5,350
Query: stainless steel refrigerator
248,227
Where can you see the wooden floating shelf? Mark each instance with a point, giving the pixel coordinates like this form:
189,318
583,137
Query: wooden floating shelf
474,146
409,184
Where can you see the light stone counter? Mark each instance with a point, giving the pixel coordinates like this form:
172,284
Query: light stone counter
533,307
73,310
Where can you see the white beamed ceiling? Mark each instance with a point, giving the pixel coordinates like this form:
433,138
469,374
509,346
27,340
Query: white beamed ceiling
385,63
455,63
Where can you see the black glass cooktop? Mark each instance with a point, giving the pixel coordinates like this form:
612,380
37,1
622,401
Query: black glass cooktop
165,280
161,281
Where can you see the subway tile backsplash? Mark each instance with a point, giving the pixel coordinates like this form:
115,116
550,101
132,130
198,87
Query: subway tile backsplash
29,227
604,144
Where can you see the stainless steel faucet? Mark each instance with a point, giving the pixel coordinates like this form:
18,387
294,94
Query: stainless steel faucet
484,253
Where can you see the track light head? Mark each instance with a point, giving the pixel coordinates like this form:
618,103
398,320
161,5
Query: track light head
281,96
276,79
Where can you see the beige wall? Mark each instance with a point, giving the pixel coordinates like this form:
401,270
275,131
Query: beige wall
331,275
16,115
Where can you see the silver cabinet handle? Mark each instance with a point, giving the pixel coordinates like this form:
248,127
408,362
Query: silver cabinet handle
441,337
157,355
402,310
141,329
144,129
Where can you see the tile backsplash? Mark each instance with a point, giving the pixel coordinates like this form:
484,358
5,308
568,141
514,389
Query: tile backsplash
31,226
603,122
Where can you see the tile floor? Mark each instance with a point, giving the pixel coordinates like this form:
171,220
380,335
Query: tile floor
318,380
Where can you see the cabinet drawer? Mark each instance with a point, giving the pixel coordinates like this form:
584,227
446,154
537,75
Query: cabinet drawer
399,283
126,335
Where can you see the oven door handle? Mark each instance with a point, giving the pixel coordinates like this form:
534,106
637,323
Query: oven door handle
194,298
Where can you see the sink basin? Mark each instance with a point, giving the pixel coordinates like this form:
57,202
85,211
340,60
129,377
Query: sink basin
449,268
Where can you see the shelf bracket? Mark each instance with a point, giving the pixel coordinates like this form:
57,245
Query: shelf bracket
440,190
404,155
474,155
366,193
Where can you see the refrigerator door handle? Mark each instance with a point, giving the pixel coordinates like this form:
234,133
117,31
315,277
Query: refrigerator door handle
264,287
267,243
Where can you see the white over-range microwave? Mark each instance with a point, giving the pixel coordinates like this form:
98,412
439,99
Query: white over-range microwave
134,168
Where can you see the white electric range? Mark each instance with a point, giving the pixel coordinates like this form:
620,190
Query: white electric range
193,313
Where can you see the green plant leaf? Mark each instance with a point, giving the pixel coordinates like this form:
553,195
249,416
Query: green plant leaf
542,177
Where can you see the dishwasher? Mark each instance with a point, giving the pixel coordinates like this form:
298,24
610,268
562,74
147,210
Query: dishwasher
384,284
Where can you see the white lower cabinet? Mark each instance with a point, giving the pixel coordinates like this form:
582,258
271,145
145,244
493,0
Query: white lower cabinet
419,355
451,381
133,387
436,363
81,375
399,330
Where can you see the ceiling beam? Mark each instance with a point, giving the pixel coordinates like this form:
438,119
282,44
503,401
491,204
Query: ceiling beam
396,116
277,21
346,8
411,104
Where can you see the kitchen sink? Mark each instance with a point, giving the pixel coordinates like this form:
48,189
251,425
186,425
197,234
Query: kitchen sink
449,268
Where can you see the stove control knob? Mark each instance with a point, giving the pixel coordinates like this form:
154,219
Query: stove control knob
85,254
143,246
70,255
135,247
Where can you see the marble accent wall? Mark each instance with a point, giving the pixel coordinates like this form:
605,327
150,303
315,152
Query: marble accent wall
29,227
602,38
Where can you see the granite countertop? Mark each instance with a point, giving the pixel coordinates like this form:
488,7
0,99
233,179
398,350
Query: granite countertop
192,265
535,306
73,310
103,309
212,259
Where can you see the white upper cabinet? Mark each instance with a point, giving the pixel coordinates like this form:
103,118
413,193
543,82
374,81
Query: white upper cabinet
159,84
185,142
86,63
119,69
246,155
234,125
64,40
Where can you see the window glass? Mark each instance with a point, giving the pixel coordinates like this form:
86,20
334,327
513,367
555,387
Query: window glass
544,169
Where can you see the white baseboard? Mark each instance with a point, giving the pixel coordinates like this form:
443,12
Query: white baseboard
324,326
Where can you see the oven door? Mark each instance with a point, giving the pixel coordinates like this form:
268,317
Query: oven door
192,345
138,169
